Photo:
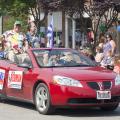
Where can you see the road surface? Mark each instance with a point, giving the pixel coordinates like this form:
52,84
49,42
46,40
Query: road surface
11,110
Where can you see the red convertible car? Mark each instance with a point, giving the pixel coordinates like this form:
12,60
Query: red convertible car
58,77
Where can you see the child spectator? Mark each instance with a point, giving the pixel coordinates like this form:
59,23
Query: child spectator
99,54
117,65
101,42
117,70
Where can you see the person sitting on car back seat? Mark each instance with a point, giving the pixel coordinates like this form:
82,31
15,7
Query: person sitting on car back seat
14,41
117,64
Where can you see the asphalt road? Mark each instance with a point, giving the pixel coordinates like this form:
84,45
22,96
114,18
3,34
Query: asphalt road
10,110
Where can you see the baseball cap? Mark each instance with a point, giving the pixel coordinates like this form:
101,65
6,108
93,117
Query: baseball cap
18,23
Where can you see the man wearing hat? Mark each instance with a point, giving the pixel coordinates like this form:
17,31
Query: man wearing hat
14,41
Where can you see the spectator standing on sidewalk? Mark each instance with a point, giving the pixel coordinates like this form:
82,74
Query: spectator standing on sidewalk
78,39
90,36
108,60
43,40
109,45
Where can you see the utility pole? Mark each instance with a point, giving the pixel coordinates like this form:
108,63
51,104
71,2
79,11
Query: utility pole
1,24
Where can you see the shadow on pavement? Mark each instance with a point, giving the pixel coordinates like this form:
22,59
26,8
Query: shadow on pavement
87,112
83,112
20,104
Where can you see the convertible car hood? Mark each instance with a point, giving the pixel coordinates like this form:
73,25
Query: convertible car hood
85,73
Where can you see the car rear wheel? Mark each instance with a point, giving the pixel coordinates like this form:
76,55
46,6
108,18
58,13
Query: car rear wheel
110,107
42,99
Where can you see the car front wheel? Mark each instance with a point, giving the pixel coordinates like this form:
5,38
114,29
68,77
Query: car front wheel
42,99
110,107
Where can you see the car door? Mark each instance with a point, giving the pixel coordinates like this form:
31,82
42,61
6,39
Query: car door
20,82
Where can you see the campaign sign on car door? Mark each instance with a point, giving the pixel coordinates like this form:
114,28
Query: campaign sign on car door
2,76
15,79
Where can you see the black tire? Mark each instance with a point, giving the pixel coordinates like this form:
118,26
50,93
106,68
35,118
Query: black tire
111,107
42,100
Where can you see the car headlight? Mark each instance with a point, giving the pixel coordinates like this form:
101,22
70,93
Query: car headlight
61,80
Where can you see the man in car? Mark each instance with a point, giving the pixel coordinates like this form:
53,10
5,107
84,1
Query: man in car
15,40
67,59
32,37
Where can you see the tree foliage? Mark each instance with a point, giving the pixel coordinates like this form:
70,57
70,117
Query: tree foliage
35,7
23,8
102,14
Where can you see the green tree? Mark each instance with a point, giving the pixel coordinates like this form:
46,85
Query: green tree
13,10
20,9
9,22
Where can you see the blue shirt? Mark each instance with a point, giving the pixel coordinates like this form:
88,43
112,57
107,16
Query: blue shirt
32,40
118,28
2,54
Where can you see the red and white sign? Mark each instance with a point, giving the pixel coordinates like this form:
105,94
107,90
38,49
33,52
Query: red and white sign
2,76
15,79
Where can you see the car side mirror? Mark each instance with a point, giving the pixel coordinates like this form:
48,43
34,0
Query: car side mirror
24,65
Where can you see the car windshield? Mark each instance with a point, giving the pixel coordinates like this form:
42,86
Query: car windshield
61,58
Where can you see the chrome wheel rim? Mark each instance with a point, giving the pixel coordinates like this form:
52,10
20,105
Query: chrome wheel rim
41,99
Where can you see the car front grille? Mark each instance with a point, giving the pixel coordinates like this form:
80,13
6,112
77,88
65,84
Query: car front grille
105,85
93,85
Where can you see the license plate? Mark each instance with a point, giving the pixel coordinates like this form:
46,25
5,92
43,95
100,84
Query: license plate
103,95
